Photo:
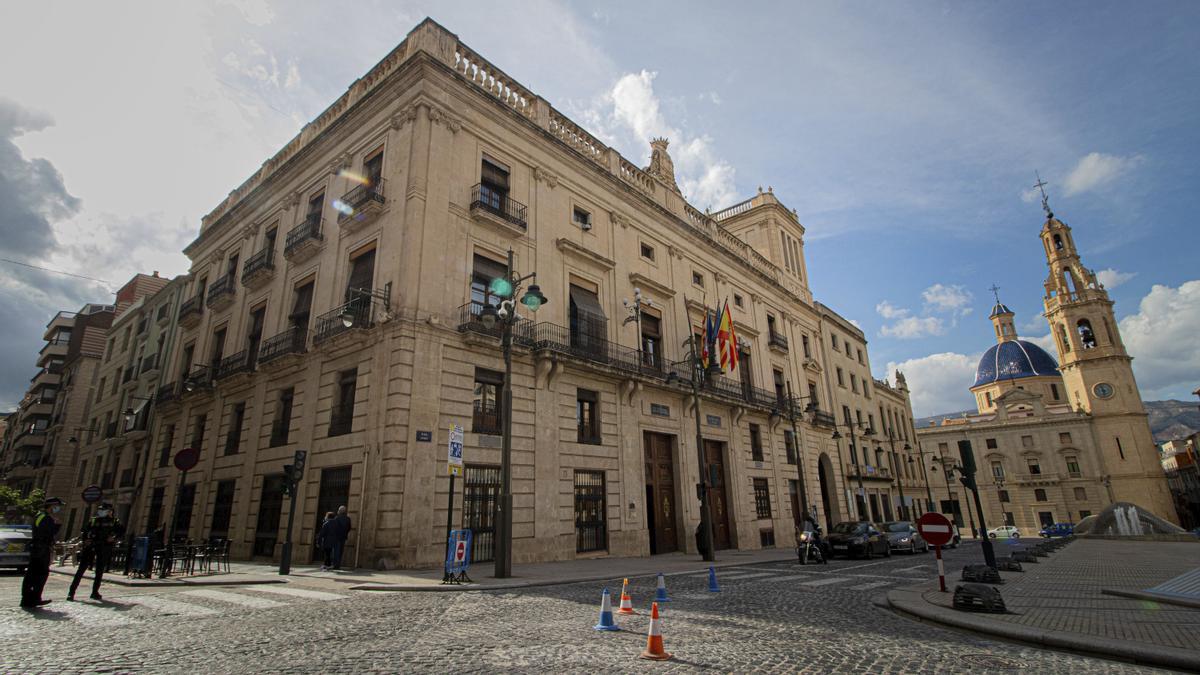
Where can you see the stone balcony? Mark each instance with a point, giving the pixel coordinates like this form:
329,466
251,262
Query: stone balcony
304,240
361,206
222,293
191,311
259,269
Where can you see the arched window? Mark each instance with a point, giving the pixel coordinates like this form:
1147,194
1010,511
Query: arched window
1087,339
1058,243
1062,337
1068,280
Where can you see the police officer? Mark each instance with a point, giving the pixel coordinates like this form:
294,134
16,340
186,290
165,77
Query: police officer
41,550
99,534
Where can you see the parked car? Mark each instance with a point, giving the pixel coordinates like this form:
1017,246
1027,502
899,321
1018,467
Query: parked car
902,535
857,538
1004,532
14,546
1057,530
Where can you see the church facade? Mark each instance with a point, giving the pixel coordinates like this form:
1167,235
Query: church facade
1054,441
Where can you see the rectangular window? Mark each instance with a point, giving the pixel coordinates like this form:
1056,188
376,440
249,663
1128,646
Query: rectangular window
762,498
222,510
164,455
647,251
738,301
581,218
82,473
853,383
342,417
1039,495
590,528
1080,494
587,322
789,446
233,438
1035,469
1073,467
100,391
860,358
483,271
698,279
807,348
990,443
362,276
281,426
493,183
1064,438
198,431
1027,441
154,517
1120,449
254,335
651,341
812,394
756,449
660,410
841,378
833,341
218,349
1004,496
1054,392
301,306
998,470
373,169
587,416
485,413
183,517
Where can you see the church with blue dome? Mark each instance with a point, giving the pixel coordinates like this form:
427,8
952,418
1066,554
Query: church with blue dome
1013,363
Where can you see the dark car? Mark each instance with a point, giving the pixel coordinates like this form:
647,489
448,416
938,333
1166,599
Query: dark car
1057,530
857,538
903,536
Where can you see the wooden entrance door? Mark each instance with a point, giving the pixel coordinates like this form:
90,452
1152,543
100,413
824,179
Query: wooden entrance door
660,494
719,503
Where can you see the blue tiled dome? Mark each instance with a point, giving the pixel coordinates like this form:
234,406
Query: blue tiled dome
1014,359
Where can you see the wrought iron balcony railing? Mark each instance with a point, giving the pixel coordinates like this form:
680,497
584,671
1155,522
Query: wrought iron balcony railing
232,365
199,379
485,418
358,314
777,340
221,290
290,341
192,307
498,204
361,198
306,231
167,393
262,261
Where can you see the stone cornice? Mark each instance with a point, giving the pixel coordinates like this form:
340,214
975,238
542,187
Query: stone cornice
571,248
643,281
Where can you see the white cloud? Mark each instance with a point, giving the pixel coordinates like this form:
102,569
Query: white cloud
630,114
1161,338
855,323
939,383
889,311
1096,170
950,299
1112,278
913,327
1046,342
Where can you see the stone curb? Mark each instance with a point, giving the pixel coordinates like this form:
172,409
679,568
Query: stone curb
178,581
1156,597
912,602
533,583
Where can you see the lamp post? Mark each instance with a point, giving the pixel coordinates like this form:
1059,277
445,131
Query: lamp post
849,426
696,367
635,316
925,477
798,440
899,478
506,315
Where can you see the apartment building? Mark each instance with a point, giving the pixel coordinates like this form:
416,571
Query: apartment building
336,304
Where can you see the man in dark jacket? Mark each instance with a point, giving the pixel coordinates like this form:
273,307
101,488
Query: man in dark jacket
99,534
41,550
341,533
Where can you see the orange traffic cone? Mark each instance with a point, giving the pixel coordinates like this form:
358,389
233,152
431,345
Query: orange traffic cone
654,644
626,601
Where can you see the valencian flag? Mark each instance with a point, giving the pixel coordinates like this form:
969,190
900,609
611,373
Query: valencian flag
726,340
710,338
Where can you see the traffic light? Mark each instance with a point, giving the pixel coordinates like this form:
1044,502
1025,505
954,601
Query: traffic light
289,479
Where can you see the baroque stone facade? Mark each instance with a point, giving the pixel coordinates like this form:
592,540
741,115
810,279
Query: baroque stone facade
335,304
1054,441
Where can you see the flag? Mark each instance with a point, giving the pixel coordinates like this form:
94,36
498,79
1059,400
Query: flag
710,338
727,340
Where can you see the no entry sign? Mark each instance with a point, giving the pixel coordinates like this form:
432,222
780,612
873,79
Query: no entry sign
935,529
187,459
92,494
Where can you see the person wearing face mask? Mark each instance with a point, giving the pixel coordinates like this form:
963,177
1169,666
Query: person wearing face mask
99,534
41,550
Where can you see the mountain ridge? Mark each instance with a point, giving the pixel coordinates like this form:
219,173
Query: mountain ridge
1169,420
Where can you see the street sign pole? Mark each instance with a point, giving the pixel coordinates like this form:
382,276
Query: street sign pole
449,525
937,530
937,550
453,467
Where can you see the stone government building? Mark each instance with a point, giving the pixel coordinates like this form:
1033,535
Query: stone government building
1057,441
333,304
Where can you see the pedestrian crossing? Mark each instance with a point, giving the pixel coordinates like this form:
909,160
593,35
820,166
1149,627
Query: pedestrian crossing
126,610
819,577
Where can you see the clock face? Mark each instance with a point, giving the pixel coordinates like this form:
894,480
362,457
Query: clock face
1103,390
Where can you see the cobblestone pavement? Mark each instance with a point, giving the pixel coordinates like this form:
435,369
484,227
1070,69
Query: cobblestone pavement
767,618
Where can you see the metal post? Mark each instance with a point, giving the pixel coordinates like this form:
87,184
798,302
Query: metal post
446,576
708,550
170,543
860,508
285,560
503,564
925,477
799,457
899,477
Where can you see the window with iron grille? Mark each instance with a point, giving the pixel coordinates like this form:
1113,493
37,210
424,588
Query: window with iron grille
342,416
762,498
233,438
756,450
590,531
587,416
164,455
282,424
789,445
485,412
481,489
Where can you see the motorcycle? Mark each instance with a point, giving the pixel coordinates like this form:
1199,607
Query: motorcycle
808,548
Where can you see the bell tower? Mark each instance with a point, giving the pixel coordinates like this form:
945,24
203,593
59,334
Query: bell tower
1098,373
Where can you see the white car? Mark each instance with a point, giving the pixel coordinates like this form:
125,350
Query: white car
14,546
1004,532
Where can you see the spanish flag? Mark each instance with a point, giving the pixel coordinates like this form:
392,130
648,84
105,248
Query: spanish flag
727,340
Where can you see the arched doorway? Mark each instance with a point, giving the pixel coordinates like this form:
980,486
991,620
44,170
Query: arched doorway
829,500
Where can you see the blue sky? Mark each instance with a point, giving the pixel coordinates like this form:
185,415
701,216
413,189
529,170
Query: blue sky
905,135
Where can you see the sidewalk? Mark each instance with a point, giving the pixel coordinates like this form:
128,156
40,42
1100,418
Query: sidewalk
1061,602
524,574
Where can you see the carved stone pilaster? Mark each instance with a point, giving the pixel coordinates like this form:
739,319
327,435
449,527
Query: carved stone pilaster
439,116
620,219
405,116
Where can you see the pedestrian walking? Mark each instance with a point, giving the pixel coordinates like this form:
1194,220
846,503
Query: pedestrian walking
325,538
41,550
99,534
342,531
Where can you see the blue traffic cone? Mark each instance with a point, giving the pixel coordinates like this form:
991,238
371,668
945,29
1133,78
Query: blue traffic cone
660,594
606,615
712,581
